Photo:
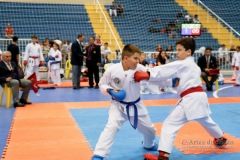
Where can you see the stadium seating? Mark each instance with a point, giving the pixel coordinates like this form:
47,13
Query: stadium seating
45,20
226,10
139,16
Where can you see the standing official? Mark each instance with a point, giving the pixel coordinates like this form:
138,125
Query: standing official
14,49
93,62
33,58
77,60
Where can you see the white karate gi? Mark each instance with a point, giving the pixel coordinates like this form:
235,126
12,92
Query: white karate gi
55,68
234,60
238,72
115,77
193,106
33,55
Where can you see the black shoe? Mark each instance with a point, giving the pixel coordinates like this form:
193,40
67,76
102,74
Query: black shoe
23,101
209,89
76,88
18,104
90,86
96,87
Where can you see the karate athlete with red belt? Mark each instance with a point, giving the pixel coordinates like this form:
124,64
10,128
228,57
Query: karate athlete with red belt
33,58
193,104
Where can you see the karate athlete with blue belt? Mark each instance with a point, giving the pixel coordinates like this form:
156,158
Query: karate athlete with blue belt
118,81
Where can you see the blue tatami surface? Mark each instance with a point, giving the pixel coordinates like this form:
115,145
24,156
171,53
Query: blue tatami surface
127,143
6,117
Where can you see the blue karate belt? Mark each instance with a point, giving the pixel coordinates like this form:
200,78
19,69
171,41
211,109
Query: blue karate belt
55,62
135,121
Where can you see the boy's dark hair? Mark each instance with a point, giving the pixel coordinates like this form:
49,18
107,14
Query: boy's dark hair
15,38
129,50
34,36
80,35
187,43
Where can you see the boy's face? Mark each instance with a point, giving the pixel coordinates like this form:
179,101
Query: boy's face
182,53
132,61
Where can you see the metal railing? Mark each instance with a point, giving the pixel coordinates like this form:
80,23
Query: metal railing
107,24
224,61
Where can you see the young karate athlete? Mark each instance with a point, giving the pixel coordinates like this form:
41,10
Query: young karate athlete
118,81
193,104
55,58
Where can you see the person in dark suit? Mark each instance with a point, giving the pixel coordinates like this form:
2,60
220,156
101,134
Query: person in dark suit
207,62
9,75
93,61
77,60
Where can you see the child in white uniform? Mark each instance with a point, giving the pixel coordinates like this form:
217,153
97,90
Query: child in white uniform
117,77
55,58
193,104
234,60
237,66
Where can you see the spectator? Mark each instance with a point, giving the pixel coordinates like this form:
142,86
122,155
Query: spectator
188,19
14,49
120,9
9,31
223,54
161,58
9,75
170,49
143,59
207,62
98,41
77,60
93,62
195,19
45,47
159,48
113,10
105,51
65,52
232,49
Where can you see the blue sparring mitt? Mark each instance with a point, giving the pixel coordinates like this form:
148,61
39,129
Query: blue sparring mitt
117,95
175,82
51,58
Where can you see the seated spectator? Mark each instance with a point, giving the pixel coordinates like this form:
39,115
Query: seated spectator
113,10
119,9
9,31
207,62
105,51
195,19
143,59
161,58
9,75
98,40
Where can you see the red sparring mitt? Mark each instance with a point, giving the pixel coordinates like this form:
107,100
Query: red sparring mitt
25,63
56,56
41,63
237,68
233,66
140,75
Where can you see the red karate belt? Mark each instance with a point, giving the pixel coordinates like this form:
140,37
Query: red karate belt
191,90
